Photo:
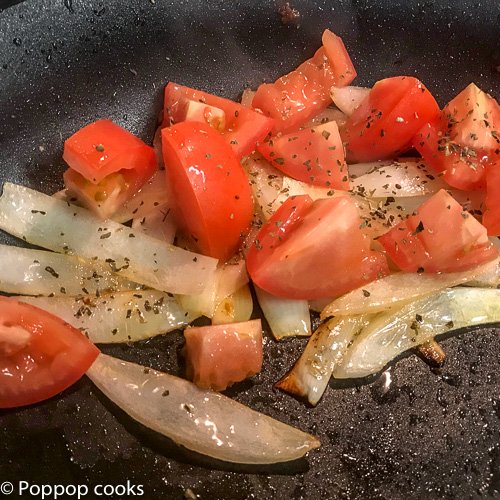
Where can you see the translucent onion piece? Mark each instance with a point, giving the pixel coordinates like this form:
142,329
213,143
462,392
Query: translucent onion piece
393,332
324,352
235,308
119,317
38,272
200,420
399,288
247,97
286,317
159,224
327,115
399,179
152,195
347,99
51,223
227,279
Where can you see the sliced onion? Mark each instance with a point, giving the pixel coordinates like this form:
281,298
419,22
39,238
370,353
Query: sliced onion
118,317
200,420
396,331
152,195
323,353
227,279
327,115
286,317
38,272
54,224
398,179
235,308
247,97
159,224
399,288
347,99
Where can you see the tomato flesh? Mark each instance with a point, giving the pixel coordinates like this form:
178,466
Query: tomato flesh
210,188
386,121
314,155
220,355
299,95
439,237
491,217
463,140
312,250
241,127
40,355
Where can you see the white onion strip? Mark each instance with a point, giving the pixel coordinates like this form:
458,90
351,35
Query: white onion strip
54,224
235,308
200,420
400,288
38,272
348,98
286,317
324,352
118,317
394,332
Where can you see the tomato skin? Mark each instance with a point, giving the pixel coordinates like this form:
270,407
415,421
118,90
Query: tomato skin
103,148
463,140
299,95
386,121
211,190
314,155
491,217
55,356
439,237
220,355
310,250
243,127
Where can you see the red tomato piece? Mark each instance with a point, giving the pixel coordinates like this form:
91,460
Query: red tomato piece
211,190
220,355
242,127
40,354
314,155
311,250
491,217
296,97
386,121
439,237
463,140
108,165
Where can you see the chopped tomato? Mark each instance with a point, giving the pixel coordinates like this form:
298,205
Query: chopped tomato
107,164
491,217
241,127
463,139
439,237
314,155
311,250
211,190
296,97
40,355
220,355
386,121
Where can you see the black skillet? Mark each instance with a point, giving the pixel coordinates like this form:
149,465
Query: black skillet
64,63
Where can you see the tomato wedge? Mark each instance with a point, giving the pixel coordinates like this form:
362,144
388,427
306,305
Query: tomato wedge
211,190
107,164
314,155
296,97
40,355
463,140
311,250
491,217
439,237
386,121
220,355
241,127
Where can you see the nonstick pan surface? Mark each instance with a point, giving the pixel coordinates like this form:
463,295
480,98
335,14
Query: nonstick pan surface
64,63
